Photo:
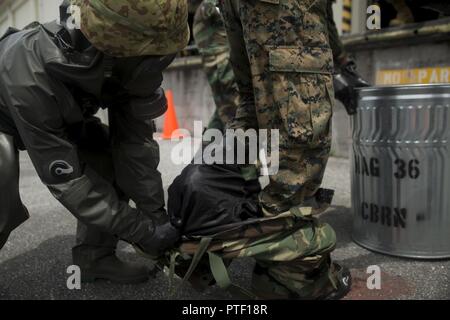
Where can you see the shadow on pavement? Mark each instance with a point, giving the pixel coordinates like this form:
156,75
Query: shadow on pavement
40,274
340,218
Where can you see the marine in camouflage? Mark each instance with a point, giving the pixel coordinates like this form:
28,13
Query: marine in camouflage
211,39
135,27
283,64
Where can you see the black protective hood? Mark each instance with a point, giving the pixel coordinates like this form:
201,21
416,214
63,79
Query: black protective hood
107,78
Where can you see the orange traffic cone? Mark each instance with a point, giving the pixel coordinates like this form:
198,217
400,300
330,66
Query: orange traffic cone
170,121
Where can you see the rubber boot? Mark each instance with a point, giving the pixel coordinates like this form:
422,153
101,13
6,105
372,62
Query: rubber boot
95,265
12,211
343,280
345,84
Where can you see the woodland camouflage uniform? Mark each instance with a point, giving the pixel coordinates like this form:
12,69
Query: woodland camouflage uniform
211,39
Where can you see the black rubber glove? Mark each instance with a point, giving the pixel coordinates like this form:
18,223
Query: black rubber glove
345,84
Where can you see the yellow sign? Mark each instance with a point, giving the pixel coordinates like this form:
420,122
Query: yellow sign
414,76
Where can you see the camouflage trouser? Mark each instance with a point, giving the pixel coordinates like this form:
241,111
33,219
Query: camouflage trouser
219,70
221,79
216,123
292,252
297,259
210,36
283,66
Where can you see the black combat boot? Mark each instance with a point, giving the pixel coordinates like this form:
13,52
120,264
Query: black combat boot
266,287
345,83
343,282
104,264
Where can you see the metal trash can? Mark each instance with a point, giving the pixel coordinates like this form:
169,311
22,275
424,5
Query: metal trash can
401,171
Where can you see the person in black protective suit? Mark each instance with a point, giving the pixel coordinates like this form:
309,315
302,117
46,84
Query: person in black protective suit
52,82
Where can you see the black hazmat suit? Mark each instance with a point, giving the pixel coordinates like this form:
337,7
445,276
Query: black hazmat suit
52,81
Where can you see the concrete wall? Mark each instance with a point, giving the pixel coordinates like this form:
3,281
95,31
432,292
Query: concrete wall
192,96
19,13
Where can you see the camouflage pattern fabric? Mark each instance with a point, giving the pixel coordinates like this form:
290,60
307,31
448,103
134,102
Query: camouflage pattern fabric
211,39
210,36
284,71
293,249
283,65
135,27
216,122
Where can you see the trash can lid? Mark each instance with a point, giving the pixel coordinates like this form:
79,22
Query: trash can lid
400,92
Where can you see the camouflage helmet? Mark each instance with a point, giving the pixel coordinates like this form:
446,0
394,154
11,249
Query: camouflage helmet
127,28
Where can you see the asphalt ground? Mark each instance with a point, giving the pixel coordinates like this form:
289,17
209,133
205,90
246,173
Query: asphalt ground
34,262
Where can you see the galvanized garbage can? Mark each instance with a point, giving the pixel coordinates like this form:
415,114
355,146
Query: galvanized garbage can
401,171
